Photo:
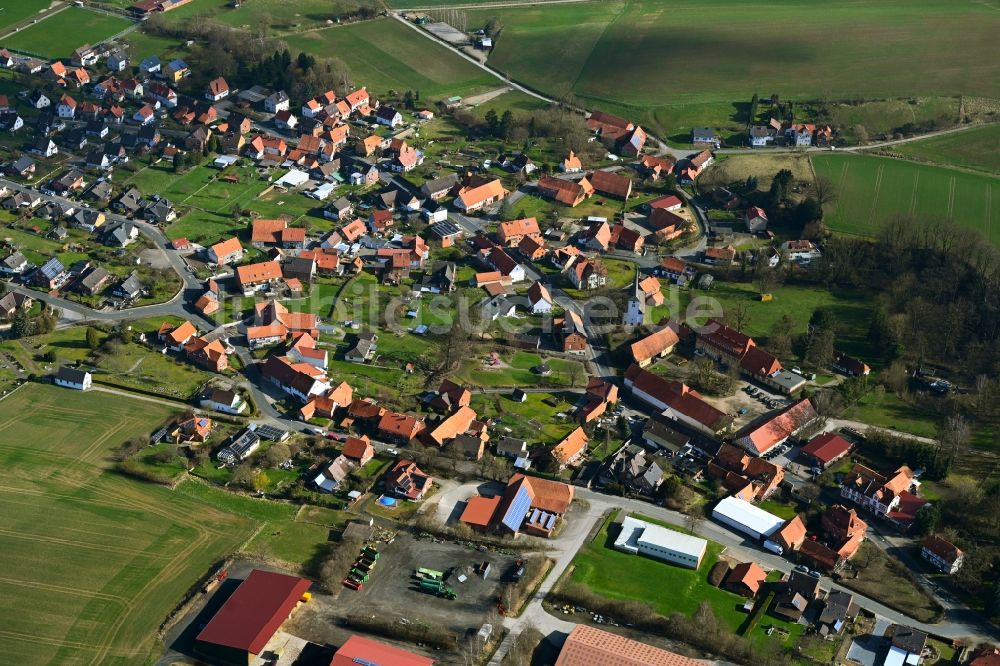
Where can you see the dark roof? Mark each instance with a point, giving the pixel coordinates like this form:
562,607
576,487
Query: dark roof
71,375
257,608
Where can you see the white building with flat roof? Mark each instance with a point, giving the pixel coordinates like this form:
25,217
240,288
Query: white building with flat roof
744,517
640,537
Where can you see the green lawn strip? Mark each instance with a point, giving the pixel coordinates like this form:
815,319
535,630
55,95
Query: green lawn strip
665,587
15,11
851,309
977,148
889,411
532,419
518,371
380,54
871,189
61,33
293,542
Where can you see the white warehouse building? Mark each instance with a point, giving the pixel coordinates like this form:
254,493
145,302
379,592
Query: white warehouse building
638,536
744,517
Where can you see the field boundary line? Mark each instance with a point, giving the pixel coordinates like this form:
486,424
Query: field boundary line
951,196
74,591
913,194
41,538
58,642
878,187
989,206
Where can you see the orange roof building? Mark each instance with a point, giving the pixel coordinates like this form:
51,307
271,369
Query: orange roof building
589,646
745,578
655,345
176,336
255,276
476,198
791,536
571,447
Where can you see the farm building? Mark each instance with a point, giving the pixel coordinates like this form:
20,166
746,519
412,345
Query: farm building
73,378
825,449
528,504
639,537
587,645
250,617
360,650
746,518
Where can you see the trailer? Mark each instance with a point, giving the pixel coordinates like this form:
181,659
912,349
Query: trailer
430,573
484,569
438,588
352,584
359,576
370,551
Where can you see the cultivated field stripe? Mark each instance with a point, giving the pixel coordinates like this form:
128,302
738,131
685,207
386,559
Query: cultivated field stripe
77,544
989,216
951,197
62,589
878,186
76,645
913,196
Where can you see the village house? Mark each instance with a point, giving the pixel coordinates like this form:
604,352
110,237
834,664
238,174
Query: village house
472,199
876,492
570,333
942,554
676,401
568,192
655,345
773,429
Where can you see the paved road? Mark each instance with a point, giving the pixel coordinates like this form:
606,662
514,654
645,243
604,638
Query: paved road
959,622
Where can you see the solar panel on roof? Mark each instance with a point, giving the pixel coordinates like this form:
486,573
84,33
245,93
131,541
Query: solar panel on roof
550,521
270,432
518,509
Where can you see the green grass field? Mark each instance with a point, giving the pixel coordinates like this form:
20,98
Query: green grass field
14,11
142,45
852,311
59,35
628,54
93,561
386,55
665,587
977,148
873,188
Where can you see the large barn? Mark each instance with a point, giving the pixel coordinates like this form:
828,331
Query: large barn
250,617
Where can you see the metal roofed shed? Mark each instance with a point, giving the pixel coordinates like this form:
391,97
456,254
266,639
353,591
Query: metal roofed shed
249,618
639,537
744,517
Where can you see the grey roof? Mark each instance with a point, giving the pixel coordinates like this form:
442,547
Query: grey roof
441,183
120,233
71,375
14,260
94,278
446,228
130,285
23,163
511,446
341,204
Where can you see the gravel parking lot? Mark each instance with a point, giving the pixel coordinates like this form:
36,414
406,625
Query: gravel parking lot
393,589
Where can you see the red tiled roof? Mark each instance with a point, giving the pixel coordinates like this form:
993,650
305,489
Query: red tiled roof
761,436
589,646
267,231
827,447
254,612
359,650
